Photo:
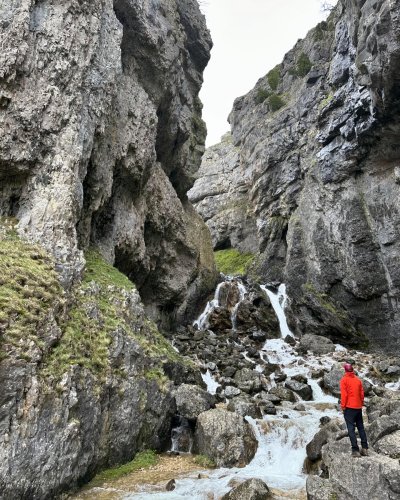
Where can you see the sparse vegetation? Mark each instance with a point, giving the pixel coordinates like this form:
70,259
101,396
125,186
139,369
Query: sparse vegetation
303,65
142,460
204,461
275,102
273,77
232,262
29,290
261,95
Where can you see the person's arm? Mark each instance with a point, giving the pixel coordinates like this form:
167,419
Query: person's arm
343,394
362,393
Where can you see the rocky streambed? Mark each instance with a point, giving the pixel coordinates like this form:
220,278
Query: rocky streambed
270,411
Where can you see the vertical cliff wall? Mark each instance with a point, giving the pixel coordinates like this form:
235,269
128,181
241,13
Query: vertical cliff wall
318,138
101,134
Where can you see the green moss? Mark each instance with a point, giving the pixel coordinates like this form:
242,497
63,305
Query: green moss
143,460
275,102
29,289
273,77
261,95
303,65
320,31
204,461
232,262
325,101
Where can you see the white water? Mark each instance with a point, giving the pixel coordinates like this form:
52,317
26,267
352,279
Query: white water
242,294
278,302
282,438
202,321
210,381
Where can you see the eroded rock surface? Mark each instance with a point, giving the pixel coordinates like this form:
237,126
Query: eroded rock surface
317,139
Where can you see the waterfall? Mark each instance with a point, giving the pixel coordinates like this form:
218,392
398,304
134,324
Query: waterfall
210,381
202,321
242,293
181,436
278,302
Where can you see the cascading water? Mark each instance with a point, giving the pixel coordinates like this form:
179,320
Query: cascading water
282,437
202,321
181,436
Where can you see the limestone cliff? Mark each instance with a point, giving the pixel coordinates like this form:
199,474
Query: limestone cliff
101,134
318,140
100,137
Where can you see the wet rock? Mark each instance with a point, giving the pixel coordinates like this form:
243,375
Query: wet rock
268,408
171,485
248,380
315,344
244,407
314,447
283,394
252,489
229,371
191,400
274,398
280,377
225,437
303,390
220,320
299,407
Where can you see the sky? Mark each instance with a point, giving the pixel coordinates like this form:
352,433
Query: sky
250,38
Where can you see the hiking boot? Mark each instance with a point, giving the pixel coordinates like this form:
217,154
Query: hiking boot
364,452
355,454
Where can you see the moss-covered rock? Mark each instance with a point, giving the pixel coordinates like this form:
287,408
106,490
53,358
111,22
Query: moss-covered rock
232,262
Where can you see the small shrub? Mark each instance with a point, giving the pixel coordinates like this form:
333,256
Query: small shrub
273,77
320,30
275,102
303,65
261,95
232,262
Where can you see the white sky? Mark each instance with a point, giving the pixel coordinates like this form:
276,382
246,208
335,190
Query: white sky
250,37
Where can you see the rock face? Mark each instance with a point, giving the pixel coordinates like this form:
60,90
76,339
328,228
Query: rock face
101,135
191,400
225,437
100,138
220,197
317,146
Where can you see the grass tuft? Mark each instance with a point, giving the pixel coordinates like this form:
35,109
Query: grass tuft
142,460
204,461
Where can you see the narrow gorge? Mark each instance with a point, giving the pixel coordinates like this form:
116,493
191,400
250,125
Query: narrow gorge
159,297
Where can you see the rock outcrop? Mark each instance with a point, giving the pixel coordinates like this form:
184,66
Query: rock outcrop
316,143
100,138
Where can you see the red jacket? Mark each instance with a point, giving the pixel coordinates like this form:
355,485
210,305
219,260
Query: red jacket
351,392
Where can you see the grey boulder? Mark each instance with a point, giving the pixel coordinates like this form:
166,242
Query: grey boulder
252,489
191,400
225,437
315,344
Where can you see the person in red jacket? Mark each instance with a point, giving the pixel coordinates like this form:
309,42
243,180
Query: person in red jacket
352,401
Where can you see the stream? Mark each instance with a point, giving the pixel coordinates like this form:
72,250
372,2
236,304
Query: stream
282,438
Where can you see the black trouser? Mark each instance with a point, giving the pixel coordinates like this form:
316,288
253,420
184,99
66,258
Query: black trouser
353,418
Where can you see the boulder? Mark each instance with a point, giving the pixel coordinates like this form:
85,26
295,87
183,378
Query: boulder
332,379
303,390
244,407
230,391
383,426
248,380
314,447
320,489
283,393
389,445
191,400
268,408
372,477
225,437
252,489
315,344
